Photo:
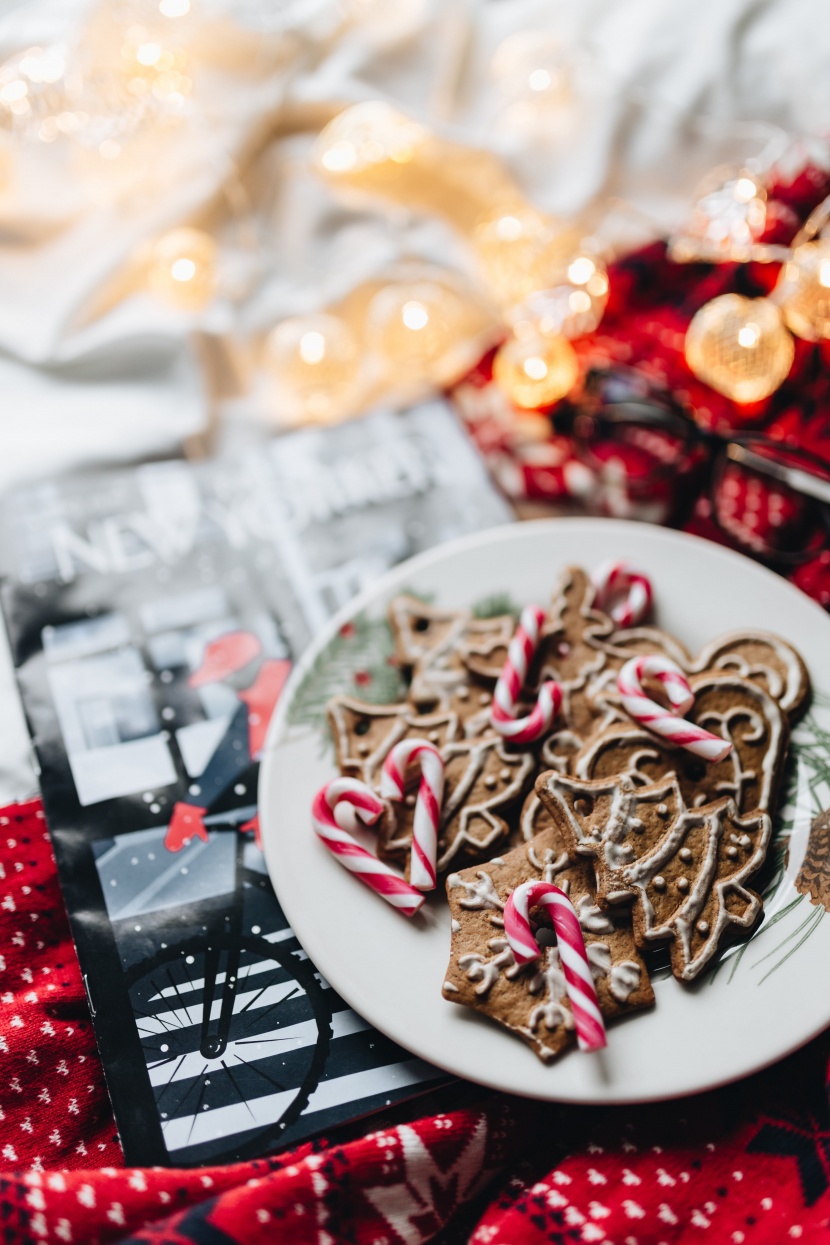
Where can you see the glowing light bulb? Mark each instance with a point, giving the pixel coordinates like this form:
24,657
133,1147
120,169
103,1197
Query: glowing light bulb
14,91
745,189
535,371
579,302
803,291
415,315
539,80
174,8
148,54
364,137
519,251
728,217
508,228
33,92
532,67
314,361
339,158
312,346
535,367
182,270
424,331
581,270
571,305
740,347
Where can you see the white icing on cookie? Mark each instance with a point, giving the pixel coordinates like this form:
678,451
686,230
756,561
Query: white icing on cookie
487,971
787,690
599,957
480,894
592,918
554,1011
469,812
624,979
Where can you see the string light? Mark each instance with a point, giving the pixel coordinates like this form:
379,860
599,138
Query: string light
803,291
364,138
727,220
152,69
122,77
131,79
423,331
315,364
740,347
573,306
183,268
531,72
521,251
33,94
535,371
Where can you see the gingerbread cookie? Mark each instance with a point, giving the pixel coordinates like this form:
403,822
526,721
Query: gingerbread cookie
731,707
757,656
532,1001
683,869
484,783
764,659
365,734
577,651
433,643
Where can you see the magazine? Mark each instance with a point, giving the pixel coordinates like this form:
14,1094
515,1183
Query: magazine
153,616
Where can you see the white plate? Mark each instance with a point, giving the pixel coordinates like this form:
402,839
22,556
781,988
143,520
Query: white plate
755,1008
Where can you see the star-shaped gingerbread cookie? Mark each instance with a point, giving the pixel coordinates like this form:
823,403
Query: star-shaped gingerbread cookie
532,1001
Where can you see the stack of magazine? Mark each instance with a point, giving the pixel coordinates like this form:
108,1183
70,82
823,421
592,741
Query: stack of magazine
153,616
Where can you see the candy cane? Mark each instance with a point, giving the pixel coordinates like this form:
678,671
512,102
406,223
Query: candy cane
668,723
612,578
335,810
427,806
511,681
590,1027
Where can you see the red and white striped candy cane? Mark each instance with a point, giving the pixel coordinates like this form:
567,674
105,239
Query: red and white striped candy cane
668,723
335,810
511,681
590,1027
610,580
427,805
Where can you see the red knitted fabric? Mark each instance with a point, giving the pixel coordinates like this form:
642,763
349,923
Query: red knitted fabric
750,1163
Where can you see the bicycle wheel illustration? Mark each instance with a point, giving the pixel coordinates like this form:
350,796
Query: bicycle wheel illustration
235,1031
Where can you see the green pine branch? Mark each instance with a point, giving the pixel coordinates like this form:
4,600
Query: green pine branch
359,661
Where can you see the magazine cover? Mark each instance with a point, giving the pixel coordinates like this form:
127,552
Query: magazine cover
153,616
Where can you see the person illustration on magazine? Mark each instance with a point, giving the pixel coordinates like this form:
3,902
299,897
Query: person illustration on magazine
237,661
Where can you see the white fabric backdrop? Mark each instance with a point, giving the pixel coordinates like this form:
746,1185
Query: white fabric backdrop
95,370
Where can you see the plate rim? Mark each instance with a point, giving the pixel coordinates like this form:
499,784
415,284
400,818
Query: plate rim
278,726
